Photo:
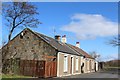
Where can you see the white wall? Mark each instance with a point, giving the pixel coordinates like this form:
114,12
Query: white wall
96,65
60,64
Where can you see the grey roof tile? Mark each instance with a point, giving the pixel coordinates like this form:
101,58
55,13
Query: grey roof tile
62,47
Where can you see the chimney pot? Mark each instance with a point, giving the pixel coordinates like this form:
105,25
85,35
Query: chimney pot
64,36
57,37
64,40
78,44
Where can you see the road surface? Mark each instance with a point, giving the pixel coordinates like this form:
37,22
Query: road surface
94,75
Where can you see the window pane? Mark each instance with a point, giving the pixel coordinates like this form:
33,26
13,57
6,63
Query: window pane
76,64
65,64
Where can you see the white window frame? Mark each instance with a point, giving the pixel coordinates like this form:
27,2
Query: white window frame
65,63
81,57
77,61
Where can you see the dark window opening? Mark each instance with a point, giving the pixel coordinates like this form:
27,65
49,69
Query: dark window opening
39,43
14,47
83,56
32,50
25,32
25,50
21,37
54,59
27,37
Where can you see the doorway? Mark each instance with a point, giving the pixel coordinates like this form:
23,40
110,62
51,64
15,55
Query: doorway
71,70
95,67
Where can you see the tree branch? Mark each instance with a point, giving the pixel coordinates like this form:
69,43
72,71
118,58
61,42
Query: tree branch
21,21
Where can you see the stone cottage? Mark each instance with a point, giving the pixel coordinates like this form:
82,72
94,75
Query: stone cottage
42,56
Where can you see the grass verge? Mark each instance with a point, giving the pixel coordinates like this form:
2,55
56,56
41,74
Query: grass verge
14,76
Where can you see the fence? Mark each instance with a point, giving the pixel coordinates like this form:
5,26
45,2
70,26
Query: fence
38,68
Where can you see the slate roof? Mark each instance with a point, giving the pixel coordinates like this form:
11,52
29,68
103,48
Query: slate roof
61,47
64,47
79,50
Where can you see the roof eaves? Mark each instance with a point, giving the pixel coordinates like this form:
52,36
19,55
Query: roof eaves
73,47
88,56
67,52
74,50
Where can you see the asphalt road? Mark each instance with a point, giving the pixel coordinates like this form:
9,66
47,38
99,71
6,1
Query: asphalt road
101,74
94,75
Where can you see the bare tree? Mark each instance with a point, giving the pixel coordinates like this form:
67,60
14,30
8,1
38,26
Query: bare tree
115,41
95,55
20,14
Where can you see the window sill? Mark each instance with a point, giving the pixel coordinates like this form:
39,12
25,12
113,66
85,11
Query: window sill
65,71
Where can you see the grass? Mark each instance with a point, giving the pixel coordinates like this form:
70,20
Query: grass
14,76
111,68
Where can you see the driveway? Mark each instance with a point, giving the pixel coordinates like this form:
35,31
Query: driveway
94,75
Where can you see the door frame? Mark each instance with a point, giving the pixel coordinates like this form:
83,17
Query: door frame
72,64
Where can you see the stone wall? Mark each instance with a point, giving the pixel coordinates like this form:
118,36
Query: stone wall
27,45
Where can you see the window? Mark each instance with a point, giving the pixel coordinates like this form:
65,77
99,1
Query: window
27,37
21,37
76,64
65,63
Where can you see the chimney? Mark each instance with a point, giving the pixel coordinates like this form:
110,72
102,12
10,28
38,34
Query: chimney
64,40
57,37
78,44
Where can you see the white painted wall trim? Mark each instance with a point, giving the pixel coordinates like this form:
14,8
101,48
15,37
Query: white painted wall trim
72,55
65,63
77,62
64,75
63,53
68,74
58,64
72,64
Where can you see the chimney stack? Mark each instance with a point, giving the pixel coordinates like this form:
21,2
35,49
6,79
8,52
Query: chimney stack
57,37
78,44
64,40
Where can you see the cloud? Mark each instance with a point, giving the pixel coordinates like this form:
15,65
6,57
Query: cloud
90,26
